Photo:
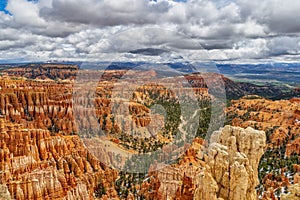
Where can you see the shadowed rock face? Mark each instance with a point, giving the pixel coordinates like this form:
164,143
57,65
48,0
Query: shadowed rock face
226,169
44,71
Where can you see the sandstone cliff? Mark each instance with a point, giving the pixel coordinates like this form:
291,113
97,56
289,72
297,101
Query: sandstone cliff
38,104
226,169
36,165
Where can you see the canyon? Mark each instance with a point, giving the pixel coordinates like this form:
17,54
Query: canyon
50,119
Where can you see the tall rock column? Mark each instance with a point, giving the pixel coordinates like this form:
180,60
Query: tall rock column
225,170
232,160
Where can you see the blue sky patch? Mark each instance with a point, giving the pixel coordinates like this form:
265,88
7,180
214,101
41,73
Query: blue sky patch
3,4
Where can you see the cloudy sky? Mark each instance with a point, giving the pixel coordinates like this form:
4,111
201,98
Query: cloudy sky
153,30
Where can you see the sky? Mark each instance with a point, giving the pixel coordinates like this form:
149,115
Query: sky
150,30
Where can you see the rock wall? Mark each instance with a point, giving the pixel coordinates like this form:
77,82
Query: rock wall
226,169
233,157
44,71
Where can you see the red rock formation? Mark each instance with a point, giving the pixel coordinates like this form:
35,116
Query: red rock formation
278,118
293,147
36,165
37,104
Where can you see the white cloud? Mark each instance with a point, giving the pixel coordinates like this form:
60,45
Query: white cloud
25,13
279,16
109,29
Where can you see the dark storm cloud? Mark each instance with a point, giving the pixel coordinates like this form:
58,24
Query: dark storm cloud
217,45
148,51
105,13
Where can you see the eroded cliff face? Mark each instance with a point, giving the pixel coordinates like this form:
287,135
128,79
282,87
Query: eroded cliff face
40,157
226,169
38,104
280,121
36,165
44,71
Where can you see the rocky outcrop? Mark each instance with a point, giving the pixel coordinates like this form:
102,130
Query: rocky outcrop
40,156
293,147
4,193
40,159
226,169
233,157
236,90
36,165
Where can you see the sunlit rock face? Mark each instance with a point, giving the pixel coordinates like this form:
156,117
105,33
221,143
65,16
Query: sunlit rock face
279,119
40,157
43,104
36,165
226,169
